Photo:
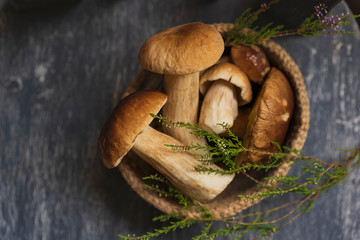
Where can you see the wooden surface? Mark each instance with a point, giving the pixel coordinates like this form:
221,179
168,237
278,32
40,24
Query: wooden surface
62,70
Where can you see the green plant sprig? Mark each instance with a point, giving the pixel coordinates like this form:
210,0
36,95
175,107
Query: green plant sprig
320,22
316,177
221,149
244,32
261,222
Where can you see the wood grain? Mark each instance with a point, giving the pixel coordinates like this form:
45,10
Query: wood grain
63,70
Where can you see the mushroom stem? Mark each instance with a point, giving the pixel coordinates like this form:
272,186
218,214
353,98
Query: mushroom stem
219,106
239,127
182,105
178,167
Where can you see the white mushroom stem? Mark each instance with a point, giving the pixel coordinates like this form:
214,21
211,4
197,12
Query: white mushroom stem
182,105
219,106
178,166
239,127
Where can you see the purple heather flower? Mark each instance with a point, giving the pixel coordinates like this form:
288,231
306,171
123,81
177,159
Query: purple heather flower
264,6
332,23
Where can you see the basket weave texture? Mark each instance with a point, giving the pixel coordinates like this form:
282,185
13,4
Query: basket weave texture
227,203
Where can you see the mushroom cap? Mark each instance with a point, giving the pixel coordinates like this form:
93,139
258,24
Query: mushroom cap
129,118
269,118
252,60
183,49
228,72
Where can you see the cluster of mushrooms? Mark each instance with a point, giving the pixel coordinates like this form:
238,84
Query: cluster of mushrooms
205,84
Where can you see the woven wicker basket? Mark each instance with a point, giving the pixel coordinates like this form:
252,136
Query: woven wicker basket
227,203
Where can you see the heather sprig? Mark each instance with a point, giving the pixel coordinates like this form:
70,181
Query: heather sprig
331,23
244,32
324,23
320,22
220,148
316,177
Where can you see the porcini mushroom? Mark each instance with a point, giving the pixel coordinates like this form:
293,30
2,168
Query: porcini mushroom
180,53
224,58
269,118
252,60
221,101
127,128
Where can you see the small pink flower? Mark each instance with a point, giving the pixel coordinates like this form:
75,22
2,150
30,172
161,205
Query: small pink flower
330,24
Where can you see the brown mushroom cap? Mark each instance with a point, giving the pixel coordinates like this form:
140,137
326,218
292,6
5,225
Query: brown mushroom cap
252,60
269,118
183,49
228,72
224,58
129,118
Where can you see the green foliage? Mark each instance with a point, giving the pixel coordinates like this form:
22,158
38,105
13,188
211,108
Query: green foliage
316,177
244,32
221,149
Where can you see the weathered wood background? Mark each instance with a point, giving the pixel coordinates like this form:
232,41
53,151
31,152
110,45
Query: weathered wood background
63,69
